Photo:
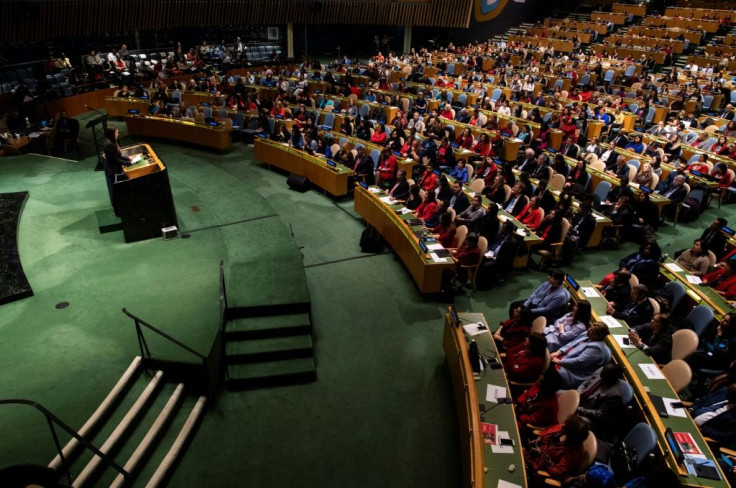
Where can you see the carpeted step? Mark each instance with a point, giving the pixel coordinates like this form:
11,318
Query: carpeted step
274,373
270,349
268,326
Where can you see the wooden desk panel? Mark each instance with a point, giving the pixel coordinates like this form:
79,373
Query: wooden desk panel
627,8
426,274
120,107
179,130
618,18
710,26
302,164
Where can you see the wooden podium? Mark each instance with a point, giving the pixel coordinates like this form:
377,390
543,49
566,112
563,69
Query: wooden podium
144,199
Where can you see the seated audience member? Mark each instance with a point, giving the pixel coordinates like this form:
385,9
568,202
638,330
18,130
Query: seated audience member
538,406
460,172
517,200
581,229
676,192
414,199
459,200
444,190
549,299
568,327
525,362
723,279
559,450
601,400
400,188
515,330
466,255
364,167
500,254
618,290
713,238
644,264
471,216
387,166
639,309
715,415
695,260
445,231
544,195
531,214
654,338
717,349
428,208
428,180
579,359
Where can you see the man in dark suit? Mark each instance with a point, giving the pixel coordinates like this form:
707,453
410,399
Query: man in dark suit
569,148
113,163
713,237
601,399
544,196
527,162
639,311
400,189
517,200
621,140
541,170
499,257
677,191
459,200
727,113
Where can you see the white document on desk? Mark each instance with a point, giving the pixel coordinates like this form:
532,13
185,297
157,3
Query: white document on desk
672,411
589,291
494,392
388,200
620,341
610,321
693,280
652,371
373,189
506,484
674,267
599,217
437,259
435,246
473,329
499,449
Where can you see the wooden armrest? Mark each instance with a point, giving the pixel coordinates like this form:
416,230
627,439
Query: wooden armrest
502,354
552,482
729,452
686,404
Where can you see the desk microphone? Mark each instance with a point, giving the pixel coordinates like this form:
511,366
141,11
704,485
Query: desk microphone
500,401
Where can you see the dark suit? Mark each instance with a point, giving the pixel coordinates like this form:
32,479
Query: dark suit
400,190
364,168
676,194
599,404
527,165
715,240
541,172
113,165
517,206
636,313
546,200
570,151
728,115
459,202
722,427
504,249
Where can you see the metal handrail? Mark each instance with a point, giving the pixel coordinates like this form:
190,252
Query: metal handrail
53,419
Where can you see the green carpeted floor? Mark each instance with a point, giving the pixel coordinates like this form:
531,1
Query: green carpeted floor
381,412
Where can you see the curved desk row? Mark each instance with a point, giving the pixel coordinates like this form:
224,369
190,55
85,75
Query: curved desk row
484,465
217,137
333,179
639,371
700,294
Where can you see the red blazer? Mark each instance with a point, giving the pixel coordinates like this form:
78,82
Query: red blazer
522,367
727,285
514,333
531,217
426,211
428,181
533,408
548,454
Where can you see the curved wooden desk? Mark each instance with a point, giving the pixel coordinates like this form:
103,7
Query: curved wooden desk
331,179
179,130
470,393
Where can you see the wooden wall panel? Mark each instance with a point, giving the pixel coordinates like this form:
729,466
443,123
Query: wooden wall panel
47,19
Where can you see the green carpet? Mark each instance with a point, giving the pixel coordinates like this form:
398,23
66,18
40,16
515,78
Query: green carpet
381,412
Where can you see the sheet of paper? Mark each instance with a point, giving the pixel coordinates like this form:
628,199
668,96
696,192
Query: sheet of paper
387,199
373,189
404,210
610,321
674,267
489,254
620,341
434,246
599,217
652,371
493,393
502,218
506,484
499,449
438,259
589,291
695,280
672,411
472,329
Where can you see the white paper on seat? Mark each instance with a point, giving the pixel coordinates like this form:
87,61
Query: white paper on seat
620,341
589,291
652,371
494,392
695,280
610,321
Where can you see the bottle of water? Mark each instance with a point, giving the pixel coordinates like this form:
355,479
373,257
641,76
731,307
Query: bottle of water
28,123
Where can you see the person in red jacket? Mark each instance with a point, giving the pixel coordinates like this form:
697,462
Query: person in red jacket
379,136
559,449
525,362
531,214
428,208
428,181
723,279
387,166
515,330
538,406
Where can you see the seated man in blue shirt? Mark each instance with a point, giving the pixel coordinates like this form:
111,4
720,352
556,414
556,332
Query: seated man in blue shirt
550,299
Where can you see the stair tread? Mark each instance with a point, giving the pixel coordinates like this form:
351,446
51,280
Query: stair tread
268,322
269,345
271,369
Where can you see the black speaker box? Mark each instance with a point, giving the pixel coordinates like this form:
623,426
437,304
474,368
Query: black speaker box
298,183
